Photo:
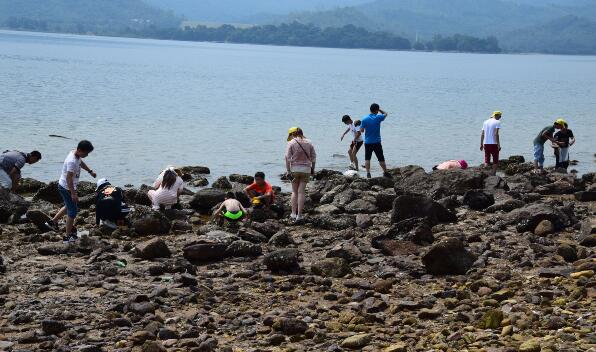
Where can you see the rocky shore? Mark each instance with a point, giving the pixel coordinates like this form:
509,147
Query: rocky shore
448,261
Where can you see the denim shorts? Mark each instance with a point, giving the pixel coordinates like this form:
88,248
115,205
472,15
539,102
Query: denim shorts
71,207
539,153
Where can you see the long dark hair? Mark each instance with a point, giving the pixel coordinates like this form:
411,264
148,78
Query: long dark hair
169,178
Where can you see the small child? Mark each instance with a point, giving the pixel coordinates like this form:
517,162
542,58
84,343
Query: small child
234,211
356,142
563,140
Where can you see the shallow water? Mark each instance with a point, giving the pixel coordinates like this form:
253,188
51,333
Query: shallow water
146,103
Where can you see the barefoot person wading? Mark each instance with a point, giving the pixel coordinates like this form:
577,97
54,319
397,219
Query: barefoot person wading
357,141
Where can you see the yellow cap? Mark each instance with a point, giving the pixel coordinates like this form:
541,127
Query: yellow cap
292,130
561,122
496,113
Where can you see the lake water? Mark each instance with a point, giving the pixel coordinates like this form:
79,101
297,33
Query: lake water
147,103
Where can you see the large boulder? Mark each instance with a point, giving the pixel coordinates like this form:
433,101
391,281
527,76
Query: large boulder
138,196
243,249
586,196
361,206
49,193
528,217
11,205
222,183
154,248
478,199
146,221
448,257
29,186
418,206
557,187
282,260
414,230
441,183
204,200
205,251
243,179
334,222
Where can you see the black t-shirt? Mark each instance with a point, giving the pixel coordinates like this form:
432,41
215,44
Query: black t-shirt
564,136
108,203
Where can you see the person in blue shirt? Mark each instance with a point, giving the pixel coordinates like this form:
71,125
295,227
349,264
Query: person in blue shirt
371,127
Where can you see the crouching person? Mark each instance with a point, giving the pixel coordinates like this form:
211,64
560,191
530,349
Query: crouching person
110,207
230,210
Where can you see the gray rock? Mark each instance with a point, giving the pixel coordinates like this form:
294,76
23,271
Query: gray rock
290,326
478,199
336,223
281,239
346,251
528,217
205,199
222,183
364,221
331,267
205,251
52,327
146,221
417,206
586,196
587,235
243,249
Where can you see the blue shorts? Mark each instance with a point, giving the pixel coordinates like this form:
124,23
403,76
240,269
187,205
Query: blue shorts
539,153
71,207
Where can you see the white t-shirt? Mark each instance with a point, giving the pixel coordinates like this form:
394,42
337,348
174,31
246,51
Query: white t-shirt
71,164
490,128
167,196
355,130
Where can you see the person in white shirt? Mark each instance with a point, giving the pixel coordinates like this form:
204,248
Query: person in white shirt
67,187
490,141
357,142
168,187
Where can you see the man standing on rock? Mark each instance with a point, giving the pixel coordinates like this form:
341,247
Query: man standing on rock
545,134
371,126
11,163
490,141
67,187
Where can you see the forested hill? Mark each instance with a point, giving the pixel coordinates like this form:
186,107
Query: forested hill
104,16
242,11
513,22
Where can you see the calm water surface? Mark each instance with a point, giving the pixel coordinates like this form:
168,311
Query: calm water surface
146,103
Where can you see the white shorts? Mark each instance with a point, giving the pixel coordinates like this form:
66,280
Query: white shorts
5,180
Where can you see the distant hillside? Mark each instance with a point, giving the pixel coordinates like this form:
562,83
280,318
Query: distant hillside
82,15
244,11
508,20
567,35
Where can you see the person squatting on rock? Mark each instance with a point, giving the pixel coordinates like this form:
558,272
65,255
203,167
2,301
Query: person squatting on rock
371,126
110,207
300,158
168,187
67,187
11,163
357,141
563,140
545,134
230,210
260,191
451,165
490,141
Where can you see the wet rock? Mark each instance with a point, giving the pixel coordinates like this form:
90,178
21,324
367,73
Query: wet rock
281,239
282,260
243,249
361,206
267,228
440,183
448,257
205,251
557,187
568,253
205,199
587,235
244,179
146,222
52,327
154,248
188,280
220,236
222,183
544,228
347,251
290,326
12,206
39,218
29,186
528,217
417,206
331,267
252,236
478,199
356,341
384,199
337,223
505,206
495,183
49,193
586,196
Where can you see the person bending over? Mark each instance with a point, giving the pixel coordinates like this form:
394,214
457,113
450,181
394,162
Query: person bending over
11,163
260,191
168,187
110,208
357,141
545,134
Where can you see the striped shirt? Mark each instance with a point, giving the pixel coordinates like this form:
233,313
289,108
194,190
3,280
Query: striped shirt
10,160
